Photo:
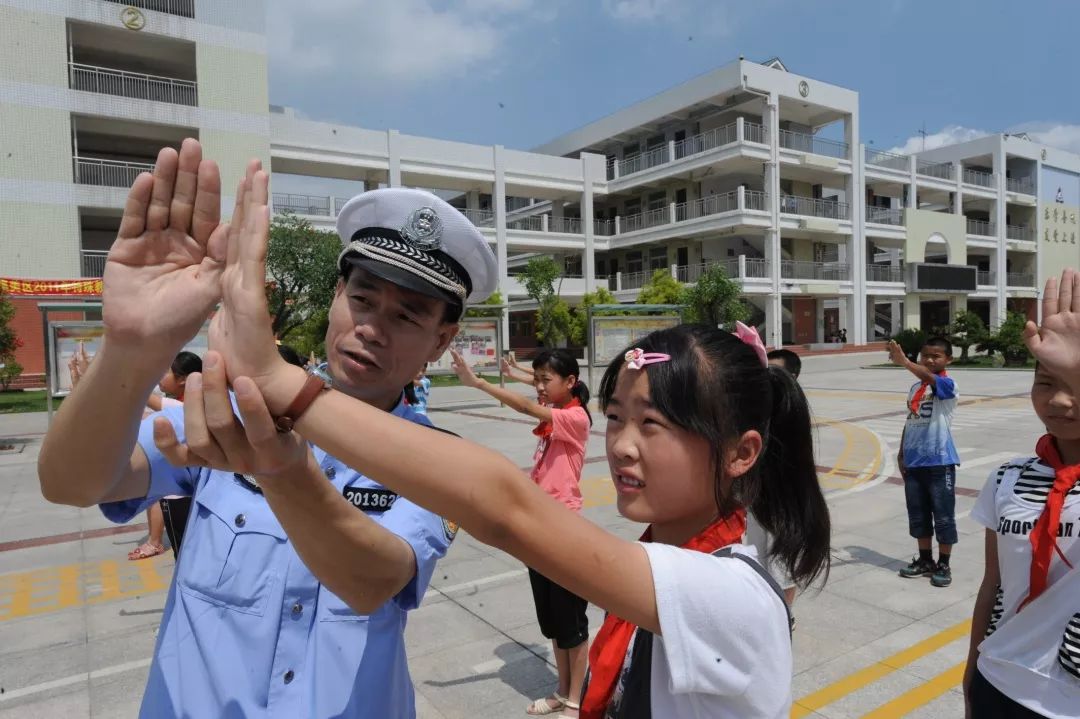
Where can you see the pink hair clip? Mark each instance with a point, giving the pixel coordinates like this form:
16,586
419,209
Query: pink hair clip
637,358
750,336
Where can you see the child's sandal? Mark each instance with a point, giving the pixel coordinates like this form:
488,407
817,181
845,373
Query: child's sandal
543,707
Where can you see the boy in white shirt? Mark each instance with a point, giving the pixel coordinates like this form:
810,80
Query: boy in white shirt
1024,659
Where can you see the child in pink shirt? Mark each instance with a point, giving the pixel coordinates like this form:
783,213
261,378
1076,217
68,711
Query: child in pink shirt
562,408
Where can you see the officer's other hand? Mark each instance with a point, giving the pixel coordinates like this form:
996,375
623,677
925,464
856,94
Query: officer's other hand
216,437
163,273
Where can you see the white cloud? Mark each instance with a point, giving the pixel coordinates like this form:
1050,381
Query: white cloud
949,135
638,10
376,42
1055,134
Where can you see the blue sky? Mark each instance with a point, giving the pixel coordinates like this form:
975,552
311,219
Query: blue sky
520,72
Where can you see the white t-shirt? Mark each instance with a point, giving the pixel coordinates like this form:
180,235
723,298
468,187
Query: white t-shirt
725,649
759,539
1010,503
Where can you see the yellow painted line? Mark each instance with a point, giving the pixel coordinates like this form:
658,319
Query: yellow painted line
923,694
856,681
43,591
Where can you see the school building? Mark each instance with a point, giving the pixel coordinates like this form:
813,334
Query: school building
750,166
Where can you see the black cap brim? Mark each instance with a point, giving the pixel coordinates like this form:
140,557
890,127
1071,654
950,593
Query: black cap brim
401,278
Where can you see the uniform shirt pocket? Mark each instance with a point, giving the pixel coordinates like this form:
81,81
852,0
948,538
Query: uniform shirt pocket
232,547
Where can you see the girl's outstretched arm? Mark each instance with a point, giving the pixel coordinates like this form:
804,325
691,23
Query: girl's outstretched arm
511,399
481,490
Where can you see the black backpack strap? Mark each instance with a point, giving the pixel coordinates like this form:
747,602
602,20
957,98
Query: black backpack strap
756,566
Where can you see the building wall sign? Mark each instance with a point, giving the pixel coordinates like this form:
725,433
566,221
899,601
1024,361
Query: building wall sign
132,18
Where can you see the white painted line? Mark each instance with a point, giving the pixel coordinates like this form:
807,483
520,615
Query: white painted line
996,458
480,582
73,679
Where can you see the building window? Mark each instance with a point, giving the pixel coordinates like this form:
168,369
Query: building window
633,262
601,268
657,200
633,207
658,258
572,265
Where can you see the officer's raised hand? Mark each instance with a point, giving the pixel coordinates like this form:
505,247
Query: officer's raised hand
163,274
215,437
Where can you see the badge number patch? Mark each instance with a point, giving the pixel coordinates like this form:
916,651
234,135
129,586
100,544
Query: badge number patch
370,499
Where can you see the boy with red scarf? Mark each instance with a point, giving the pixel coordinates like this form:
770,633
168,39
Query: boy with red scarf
1024,659
928,459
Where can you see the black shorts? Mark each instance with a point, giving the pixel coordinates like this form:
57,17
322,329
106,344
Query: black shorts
561,613
989,703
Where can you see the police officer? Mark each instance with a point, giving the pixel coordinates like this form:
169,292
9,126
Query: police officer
291,595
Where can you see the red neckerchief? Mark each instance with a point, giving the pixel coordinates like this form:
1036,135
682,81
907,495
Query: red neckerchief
1044,534
544,429
609,648
917,398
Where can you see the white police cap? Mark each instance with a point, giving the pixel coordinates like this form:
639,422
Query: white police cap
418,241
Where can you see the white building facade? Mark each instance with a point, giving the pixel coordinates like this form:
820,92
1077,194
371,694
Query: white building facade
750,166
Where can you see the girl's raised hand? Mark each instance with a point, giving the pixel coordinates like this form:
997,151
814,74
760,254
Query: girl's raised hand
464,371
1056,343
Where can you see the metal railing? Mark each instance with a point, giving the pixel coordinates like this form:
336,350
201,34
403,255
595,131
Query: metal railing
644,160
480,218
806,270
183,8
140,86
940,170
644,220
757,267
302,204
1020,232
565,225
884,215
93,262
339,202
756,200
636,280
796,205
1019,279
985,277
884,273
981,227
1025,185
890,160
812,143
108,173
979,177
753,132
532,223
711,205
604,228
705,141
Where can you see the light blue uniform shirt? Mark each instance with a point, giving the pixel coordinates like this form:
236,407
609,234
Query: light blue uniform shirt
248,630
928,438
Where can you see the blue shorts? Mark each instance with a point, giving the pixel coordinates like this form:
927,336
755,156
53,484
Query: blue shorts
931,502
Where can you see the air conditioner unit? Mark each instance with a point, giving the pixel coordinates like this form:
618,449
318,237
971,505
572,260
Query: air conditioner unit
936,278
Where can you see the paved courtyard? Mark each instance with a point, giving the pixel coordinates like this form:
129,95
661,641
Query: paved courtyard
77,620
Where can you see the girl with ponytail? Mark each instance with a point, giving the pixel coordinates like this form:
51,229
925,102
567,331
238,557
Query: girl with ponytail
562,406
699,430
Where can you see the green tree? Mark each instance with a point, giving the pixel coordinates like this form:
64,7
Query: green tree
911,340
552,313
301,268
491,307
966,330
662,289
9,342
1009,340
310,335
715,300
579,319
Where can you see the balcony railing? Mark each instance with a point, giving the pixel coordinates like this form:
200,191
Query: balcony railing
811,143
753,132
635,280
805,270
93,262
108,81
705,141
108,173
886,159
183,8
644,161
1020,232
940,170
756,200
694,145
985,277
316,205
978,177
480,218
604,228
644,220
711,205
981,228
757,267
1019,279
884,273
565,225
831,209
532,223
1023,185
884,215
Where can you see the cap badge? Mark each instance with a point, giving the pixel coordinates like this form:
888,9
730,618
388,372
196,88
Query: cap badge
423,229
